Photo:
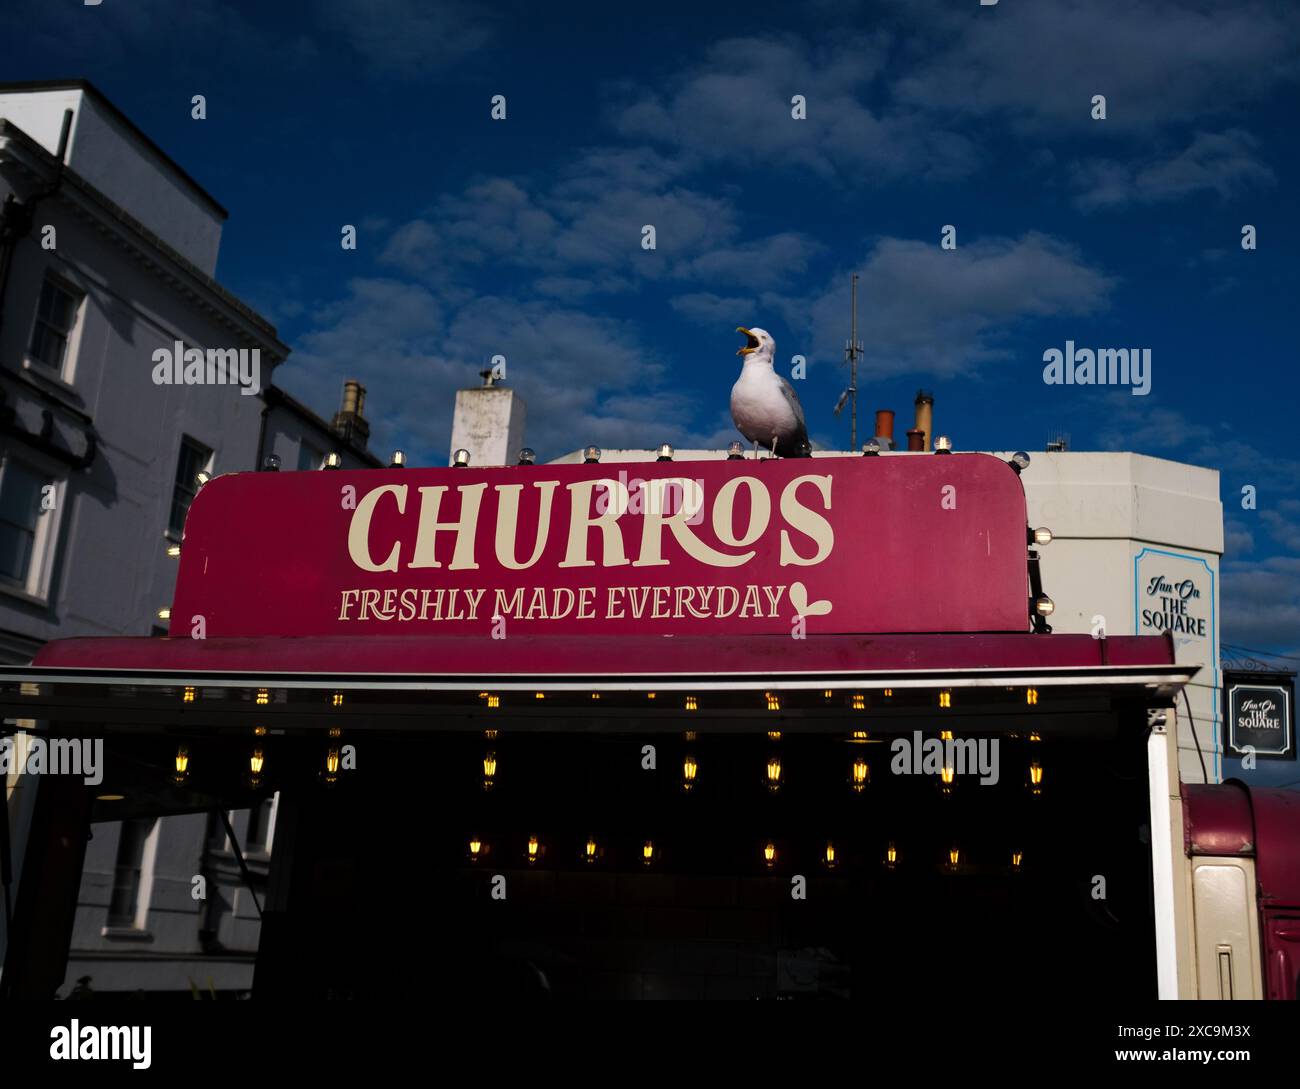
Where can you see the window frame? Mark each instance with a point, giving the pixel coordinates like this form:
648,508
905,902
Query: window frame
204,467
65,369
35,587
138,926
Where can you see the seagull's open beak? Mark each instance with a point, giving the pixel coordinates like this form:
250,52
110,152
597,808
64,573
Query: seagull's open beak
752,346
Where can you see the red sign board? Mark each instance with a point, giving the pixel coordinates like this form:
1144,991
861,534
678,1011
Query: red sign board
932,543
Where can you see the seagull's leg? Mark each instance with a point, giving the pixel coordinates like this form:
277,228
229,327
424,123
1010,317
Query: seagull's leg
756,449
774,446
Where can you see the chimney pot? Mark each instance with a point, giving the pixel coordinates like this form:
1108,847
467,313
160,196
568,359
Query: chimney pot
885,427
925,416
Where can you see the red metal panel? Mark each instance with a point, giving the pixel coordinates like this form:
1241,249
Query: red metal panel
1277,847
594,656
1217,819
889,544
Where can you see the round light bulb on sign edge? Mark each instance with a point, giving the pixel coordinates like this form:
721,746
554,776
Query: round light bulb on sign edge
736,451
871,448
460,459
332,461
527,456
591,455
665,453
271,463
942,444
1043,605
1042,536
202,477
398,460
1019,461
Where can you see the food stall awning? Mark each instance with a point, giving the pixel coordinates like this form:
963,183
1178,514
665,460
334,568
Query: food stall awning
139,680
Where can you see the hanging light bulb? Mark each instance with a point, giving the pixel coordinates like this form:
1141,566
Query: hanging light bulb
769,854
188,695
1031,697
1017,857
330,773
859,701
475,849
489,770
947,779
256,762
891,856
591,851
954,856
945,735
773,773
861,775
1035,777
945,697
534,849
888,693
689,770
337,699
263,697
773,701
182,764
691,704
648,853
829,857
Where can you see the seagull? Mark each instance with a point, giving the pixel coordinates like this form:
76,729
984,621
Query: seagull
764,406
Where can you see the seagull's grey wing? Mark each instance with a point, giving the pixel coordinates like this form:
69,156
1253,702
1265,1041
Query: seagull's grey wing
792,399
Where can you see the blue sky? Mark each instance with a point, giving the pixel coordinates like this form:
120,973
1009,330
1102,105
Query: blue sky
522,236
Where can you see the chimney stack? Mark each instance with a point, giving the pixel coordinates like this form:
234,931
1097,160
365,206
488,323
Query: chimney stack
348,422
885,428
925,417
916,440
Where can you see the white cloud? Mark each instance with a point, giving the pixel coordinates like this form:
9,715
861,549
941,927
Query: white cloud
1157,63
1224,163
733,108
945,312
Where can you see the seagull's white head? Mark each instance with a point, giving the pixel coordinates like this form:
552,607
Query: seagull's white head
759,343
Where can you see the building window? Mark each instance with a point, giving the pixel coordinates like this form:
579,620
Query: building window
194,458
309,458
56,316
128,906
261,826
27,525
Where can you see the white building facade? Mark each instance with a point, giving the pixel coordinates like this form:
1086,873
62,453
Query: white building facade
107,258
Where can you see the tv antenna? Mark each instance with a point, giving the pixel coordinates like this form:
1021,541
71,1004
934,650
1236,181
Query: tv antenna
852,353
